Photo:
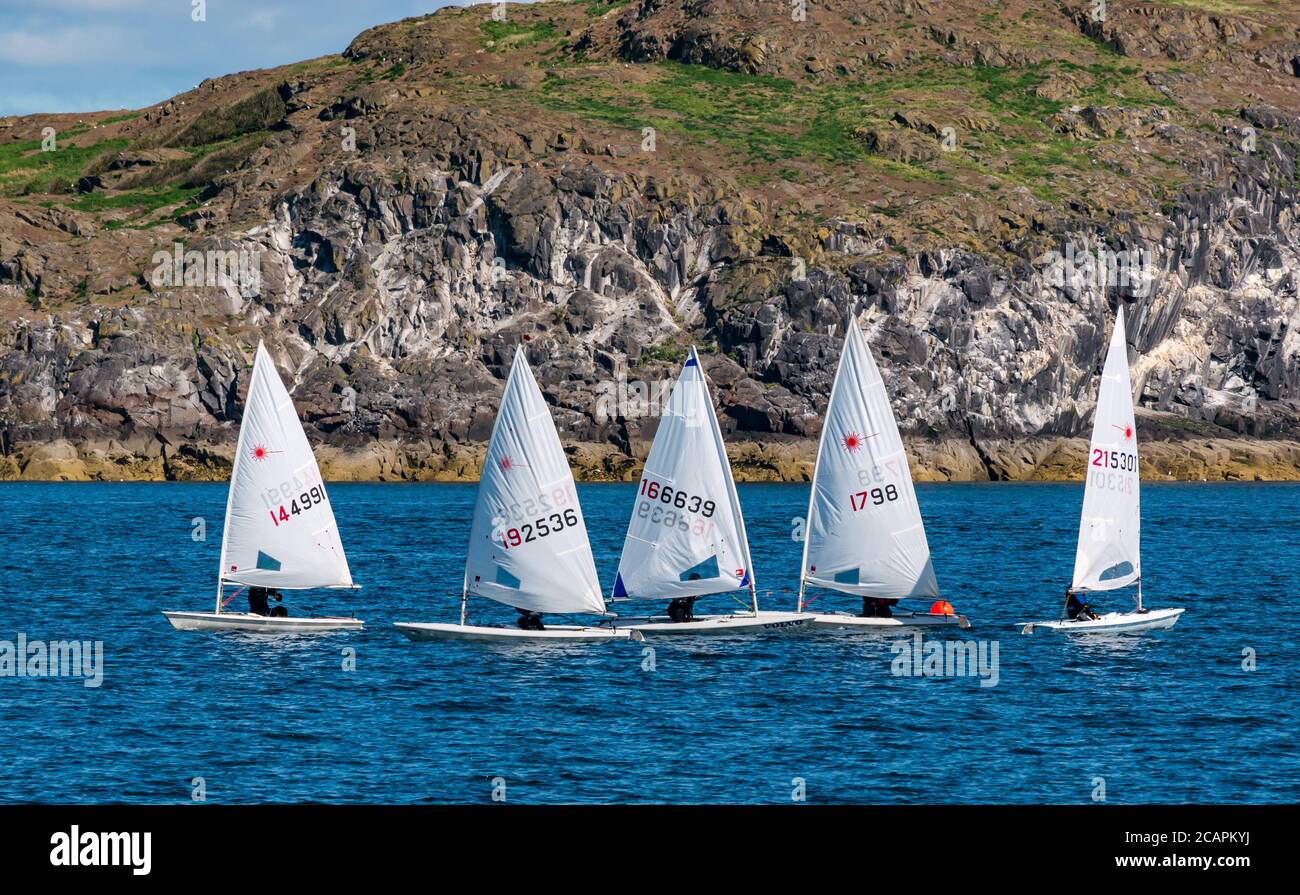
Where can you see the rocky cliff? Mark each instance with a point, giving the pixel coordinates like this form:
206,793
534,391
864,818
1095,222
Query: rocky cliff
982,184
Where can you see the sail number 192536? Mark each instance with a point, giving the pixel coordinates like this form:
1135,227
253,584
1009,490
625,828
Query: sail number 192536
537,528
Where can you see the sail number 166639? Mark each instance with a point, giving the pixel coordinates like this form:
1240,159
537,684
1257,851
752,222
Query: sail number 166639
678,498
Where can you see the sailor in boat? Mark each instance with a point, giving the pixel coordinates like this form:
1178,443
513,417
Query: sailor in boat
1078,610
682,609
873,607
530,621
257,601
277,610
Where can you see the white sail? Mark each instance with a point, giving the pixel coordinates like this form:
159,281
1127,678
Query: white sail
1108,555
280,529
687,535
528,543
864,533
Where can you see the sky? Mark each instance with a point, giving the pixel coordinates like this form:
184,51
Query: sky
90,55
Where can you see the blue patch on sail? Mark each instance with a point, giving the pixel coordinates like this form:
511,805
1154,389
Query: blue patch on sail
505,579
620,592
690,362
706,569
1119,570
267,563
848,576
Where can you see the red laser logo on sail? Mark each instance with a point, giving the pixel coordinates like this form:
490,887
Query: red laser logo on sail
853,441
259,452
1127,430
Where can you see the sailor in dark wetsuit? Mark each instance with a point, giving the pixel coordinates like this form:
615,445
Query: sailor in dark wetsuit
873,607
278,610
682,609
257,601
1077,609
530,621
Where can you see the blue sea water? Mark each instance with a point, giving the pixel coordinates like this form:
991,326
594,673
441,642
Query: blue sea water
1166,717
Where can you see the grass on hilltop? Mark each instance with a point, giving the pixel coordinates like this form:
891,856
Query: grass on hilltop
25,169
759,118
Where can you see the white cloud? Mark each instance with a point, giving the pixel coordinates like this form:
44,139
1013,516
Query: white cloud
63,46
264,18
76,5
84,54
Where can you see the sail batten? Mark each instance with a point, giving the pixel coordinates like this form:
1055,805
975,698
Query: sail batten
528,539
686,536
280,529
864,534
1108,555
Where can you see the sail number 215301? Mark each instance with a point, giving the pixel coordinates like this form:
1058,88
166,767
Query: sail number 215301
1125,461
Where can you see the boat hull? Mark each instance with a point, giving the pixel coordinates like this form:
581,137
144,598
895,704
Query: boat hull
421,631
717,625
1110,623
258,624
844,621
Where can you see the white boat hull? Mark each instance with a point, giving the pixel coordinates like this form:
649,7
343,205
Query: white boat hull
713,625
844,621
258,624
571,633
1110,623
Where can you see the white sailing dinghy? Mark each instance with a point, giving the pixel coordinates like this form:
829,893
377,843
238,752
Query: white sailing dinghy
864,535
1108,556
687,535
528,545
280,530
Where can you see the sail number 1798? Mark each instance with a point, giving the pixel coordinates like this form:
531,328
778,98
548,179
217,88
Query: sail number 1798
875,496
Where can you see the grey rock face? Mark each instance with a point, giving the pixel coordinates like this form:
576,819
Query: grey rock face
392,308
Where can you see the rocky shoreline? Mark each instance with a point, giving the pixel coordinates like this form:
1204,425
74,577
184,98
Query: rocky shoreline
943,460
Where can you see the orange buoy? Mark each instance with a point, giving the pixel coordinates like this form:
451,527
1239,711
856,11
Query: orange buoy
942,607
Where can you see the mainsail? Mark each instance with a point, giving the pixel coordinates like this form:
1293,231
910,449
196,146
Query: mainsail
528,544
864,533
687,535
1108,556
280,529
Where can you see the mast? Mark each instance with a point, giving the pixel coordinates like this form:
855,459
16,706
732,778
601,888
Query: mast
464,603
279,530
230,489
1108,554
812,490
812,495
862,508
732,496
528,545
698,546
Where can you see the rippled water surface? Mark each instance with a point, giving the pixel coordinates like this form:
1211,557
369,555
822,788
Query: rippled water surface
1168,717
